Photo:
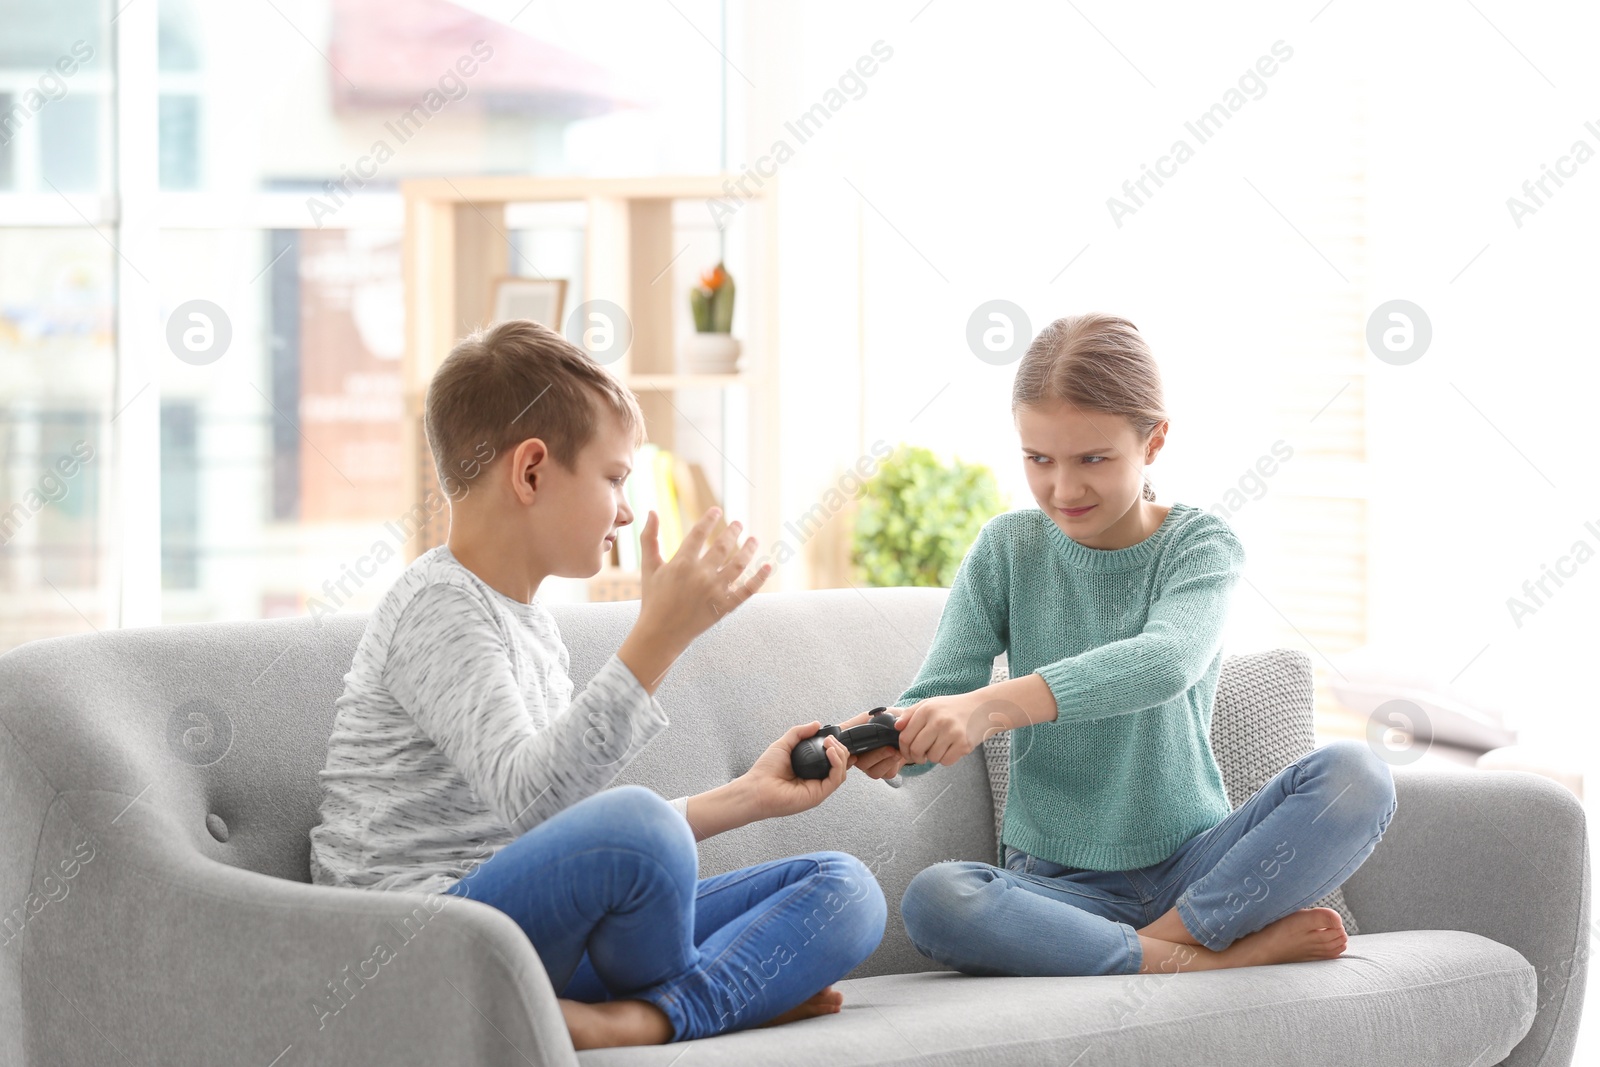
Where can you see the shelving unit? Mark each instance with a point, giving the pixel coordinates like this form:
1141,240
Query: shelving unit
457,243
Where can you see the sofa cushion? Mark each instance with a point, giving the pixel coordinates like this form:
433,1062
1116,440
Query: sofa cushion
1419,996
1260,723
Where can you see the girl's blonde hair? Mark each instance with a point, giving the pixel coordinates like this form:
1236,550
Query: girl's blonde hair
1097,362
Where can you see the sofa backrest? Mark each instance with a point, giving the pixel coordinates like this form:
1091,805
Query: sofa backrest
225,725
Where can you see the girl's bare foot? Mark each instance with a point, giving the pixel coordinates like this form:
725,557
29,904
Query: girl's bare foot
615,1022
1307,934
827,1002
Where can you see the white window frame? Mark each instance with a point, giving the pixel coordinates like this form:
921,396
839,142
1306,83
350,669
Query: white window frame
136,389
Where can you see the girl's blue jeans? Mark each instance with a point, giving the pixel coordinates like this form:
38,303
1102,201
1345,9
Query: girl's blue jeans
607,891
1292,843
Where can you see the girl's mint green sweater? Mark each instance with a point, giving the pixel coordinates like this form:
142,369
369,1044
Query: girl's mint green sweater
1130,642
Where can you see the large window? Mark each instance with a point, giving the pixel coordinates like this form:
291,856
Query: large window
57,351
223,369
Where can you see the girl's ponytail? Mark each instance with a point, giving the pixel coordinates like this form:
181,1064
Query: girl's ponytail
1098,362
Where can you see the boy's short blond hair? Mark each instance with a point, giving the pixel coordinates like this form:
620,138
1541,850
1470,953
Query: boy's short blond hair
518,379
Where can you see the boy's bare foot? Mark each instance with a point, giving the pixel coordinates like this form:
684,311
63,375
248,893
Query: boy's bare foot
1307,934
615,1022
827,1002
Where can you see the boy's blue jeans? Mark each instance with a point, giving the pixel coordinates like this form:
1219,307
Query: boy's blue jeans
1292,843
607,891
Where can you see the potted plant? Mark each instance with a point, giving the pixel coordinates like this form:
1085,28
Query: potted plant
711,349
918,517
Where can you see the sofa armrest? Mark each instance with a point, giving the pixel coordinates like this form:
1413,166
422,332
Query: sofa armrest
1503,854
164,954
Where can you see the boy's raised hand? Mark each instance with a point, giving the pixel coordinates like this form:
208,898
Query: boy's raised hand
682,598
685,596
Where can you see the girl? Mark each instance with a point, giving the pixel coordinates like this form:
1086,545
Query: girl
1121,853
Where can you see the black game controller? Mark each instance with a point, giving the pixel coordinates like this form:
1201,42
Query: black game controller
810,760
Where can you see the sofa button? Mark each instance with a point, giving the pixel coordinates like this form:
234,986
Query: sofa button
218,828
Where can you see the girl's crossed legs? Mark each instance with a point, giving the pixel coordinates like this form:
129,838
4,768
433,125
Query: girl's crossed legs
1292,843
607,891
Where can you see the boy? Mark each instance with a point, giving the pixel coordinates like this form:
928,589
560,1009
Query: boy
461,763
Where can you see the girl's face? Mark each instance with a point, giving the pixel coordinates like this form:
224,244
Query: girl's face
1081,459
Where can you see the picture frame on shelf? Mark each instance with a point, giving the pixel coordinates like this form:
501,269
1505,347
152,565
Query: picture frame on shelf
539,299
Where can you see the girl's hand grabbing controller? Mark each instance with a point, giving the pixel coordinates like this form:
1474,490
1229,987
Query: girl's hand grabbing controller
882,762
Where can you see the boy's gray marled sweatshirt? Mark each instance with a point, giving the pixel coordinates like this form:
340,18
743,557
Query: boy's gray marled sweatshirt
457,732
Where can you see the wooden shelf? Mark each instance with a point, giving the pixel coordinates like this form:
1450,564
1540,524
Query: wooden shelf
614,583
510,188
456,246
687,381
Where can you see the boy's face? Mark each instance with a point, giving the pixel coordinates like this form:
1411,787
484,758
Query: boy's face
1076,458
579,513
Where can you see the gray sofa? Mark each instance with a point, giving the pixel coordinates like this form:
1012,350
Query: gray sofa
160,785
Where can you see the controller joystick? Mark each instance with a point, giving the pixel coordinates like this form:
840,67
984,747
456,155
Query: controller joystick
810,760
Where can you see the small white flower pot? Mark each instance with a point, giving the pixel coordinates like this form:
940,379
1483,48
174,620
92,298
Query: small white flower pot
711,353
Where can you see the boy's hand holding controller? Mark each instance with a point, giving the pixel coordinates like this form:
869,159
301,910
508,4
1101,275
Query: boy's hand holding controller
683,597
770,788
773,789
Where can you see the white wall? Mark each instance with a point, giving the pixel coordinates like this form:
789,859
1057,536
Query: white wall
987,146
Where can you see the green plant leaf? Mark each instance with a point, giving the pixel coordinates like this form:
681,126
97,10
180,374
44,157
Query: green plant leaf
918,516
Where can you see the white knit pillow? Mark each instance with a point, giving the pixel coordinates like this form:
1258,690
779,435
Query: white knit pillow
1260,723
